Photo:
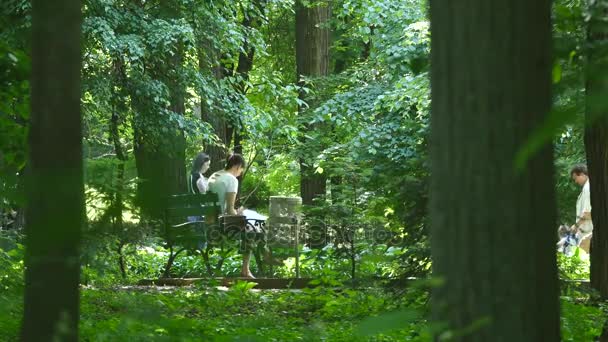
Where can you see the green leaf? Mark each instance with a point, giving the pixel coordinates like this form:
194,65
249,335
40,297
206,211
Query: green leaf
557,73
387,321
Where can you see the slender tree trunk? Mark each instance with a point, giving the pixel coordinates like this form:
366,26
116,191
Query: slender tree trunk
596,141
118,112
251,20
122,263
55,195
312,60
226,69
492,226
244,67
342,56
367,46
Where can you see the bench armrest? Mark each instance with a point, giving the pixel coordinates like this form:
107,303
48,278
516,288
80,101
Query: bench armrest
186,224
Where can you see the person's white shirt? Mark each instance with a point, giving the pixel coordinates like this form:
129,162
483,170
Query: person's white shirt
202,184
222,182
583,205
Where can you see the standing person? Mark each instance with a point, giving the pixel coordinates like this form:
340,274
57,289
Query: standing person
225,184
198,183
583,225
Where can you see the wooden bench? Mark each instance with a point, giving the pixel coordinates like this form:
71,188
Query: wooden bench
187,222
192,222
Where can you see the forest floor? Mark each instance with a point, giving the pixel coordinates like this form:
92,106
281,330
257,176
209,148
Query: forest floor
238,313
241,313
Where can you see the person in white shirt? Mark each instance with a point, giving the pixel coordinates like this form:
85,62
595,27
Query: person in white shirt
583,225
198,183
226,185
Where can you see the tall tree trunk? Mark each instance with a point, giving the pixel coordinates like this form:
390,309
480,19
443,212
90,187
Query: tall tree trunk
178,155
119,110
161,163
251,20
243,68
161,169
312,60
596,141
492,226
226,69
55,194
216,152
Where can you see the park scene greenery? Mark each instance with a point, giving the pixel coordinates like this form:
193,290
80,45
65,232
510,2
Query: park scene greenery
431,144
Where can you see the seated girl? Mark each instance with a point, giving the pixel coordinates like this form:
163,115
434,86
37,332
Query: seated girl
198,183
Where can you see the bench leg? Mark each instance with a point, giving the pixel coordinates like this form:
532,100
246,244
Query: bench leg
205,253
169,264
257,253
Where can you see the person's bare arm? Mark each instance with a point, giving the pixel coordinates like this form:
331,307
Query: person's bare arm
586,216
230,200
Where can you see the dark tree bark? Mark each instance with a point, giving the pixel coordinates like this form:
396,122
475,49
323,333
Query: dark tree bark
312,60
55,195
492,226
161,162
226,69
251,19
367,46
243,69
178,155
341,54
161,169
230,133
596,141
216,152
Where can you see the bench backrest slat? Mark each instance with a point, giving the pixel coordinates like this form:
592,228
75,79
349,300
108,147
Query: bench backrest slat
181,212
179,207
187,200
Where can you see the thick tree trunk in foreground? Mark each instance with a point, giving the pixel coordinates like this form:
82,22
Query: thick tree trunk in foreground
312,60
55,199
596,142
493,227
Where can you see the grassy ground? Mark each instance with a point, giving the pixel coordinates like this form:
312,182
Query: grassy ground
330,312
240,314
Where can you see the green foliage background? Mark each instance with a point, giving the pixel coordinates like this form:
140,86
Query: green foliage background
373,114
